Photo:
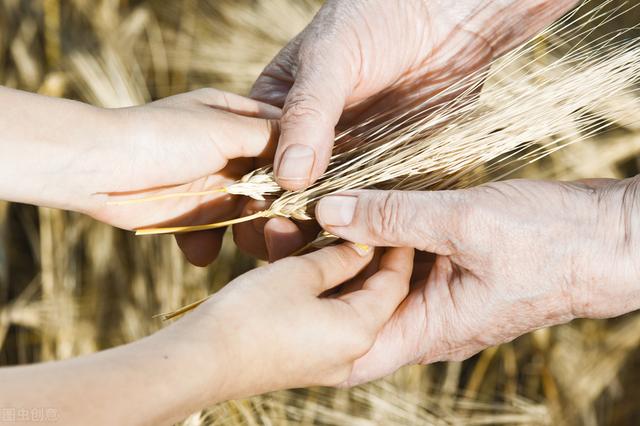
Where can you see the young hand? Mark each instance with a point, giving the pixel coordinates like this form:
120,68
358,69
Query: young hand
304,321
65,154
298,322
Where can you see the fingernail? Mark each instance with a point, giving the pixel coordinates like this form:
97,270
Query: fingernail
337,210
296,163
362,249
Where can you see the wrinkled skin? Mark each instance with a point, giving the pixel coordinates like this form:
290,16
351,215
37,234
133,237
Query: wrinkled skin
359,58
510,257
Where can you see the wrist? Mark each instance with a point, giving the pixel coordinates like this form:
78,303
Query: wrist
93,151
199,368
607,273
50,149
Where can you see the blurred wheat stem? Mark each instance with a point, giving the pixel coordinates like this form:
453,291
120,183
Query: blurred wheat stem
174,314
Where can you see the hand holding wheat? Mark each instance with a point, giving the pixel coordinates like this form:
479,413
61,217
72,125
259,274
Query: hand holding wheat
510,257
360,58
192,142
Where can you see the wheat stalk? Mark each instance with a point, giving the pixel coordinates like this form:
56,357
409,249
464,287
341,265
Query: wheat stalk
526,111
530,107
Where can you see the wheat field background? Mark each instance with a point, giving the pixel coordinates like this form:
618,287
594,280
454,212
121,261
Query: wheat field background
71,286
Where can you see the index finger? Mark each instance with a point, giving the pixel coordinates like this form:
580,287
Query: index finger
383,292
237,136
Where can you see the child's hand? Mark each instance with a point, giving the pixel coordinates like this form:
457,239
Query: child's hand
193,142
69,155
297,322
277,327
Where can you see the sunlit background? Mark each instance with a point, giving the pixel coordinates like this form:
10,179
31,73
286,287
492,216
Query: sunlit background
71,286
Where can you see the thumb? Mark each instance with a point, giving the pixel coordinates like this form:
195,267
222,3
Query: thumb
427,221
311,112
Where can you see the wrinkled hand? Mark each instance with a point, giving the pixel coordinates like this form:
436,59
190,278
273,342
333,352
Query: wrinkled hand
302,321
192,142
510,257
358,58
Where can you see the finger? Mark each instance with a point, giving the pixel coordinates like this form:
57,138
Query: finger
370,270
383,292
243,127
597,183
275,81
236,104
249,236
283,238
201,248
311,111
237,136
396,345
428,221
327,268
271,90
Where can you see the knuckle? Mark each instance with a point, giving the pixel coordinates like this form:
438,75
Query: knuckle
206,93
388,217
459,208
301,107
462,216
310,268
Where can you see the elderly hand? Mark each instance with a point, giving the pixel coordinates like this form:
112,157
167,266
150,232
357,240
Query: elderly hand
354,52
510,257
358,58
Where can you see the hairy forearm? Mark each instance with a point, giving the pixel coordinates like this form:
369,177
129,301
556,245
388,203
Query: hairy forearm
157,380
49,149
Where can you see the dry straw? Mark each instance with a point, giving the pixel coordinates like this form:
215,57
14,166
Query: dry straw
94,287
529,107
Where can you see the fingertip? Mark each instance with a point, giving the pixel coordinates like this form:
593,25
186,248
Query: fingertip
283,238
336,210
249,236
337,264
303,154
295,166
399,259
354,255
201,248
